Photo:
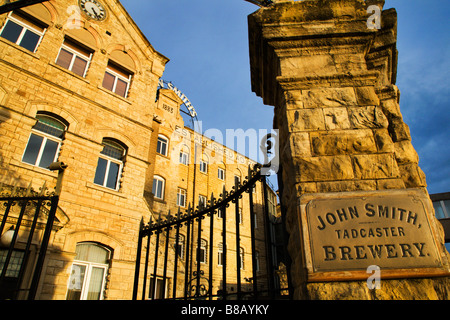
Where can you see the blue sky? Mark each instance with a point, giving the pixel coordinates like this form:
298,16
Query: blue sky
207,43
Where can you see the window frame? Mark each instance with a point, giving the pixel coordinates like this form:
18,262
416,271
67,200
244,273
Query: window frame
118,76
184,158
204,250
221,174
110,159
203,166
181,194
25,27
163,185
88,273
75,54
166,141
46,136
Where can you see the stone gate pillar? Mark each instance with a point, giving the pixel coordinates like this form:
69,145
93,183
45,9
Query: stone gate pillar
355,199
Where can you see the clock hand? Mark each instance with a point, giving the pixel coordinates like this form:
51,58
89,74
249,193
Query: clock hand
95,12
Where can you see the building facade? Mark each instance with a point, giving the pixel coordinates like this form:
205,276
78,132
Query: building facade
78,85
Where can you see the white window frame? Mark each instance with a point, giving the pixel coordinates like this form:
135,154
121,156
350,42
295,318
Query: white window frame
181,195
75,54
46,137
221,174
156,286
108,165
203,166
203,199
203,247
87,277
163,184
118,76
43,144
220,253
166,140
25,27
184,158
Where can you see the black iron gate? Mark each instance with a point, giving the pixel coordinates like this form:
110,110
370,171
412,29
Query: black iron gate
191,276
27,219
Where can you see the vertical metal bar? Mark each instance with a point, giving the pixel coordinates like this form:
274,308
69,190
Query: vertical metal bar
5,216
13,241
186,271
147,256
166,254
138,261
253,242
44,246
155,265
224,251
270,271
199,244
211,242
175,267
29,241
238,250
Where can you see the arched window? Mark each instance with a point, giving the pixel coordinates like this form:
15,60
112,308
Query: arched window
110,164
45,141
163,145
158,187
179,246
201,252
89,270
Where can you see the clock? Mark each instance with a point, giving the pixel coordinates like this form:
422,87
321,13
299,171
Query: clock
93,9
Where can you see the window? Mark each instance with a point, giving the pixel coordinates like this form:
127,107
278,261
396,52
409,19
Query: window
179,246
117,79
158,187
23,31
89,270
201,252
110,164
202,201
221,174
8,289
159,292
220,254
203,166
162,145
237,179
240,215
181,197
184,158
442,209
44,142
74,57
241,258
220,213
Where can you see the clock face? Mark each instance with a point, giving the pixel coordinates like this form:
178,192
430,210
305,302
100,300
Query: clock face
93,9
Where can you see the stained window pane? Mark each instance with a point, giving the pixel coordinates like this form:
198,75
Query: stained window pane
121,88
64,58
30,40
95,286
100,172
76,282
108,81
79,66
11,31
32,150
49,153
113,175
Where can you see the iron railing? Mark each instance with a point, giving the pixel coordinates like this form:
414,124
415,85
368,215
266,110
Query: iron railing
190,276
27,219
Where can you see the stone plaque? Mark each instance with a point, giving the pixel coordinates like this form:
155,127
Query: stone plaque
351,231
